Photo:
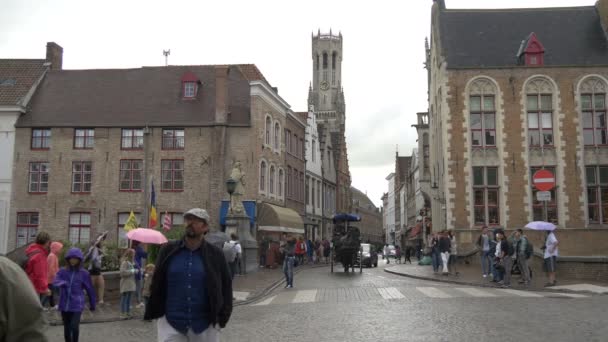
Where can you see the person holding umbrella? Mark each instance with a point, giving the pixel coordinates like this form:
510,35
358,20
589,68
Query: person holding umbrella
550,248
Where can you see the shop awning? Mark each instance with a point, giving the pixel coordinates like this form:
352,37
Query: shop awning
273,218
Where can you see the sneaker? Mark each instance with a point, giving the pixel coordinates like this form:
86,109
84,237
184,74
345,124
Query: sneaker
485,275
289,287
506,286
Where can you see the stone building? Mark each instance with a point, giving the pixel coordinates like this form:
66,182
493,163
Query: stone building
314,178
371,217
19,79
326,95
295,152
94,141
512,91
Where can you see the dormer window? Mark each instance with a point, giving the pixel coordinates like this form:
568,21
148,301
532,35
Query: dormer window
190,85
531,51
189,89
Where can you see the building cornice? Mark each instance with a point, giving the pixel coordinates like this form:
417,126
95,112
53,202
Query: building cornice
261,89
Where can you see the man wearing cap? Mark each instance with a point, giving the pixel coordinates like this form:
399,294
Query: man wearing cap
191,291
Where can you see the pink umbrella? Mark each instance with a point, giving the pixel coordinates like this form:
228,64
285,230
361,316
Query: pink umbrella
147,235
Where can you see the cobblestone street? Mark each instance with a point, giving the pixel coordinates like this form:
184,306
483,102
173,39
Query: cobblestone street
377,306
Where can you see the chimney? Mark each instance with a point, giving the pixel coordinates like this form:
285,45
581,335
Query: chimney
221,93
602,9
54,55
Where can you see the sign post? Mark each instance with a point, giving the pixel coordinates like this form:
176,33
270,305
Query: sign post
544,181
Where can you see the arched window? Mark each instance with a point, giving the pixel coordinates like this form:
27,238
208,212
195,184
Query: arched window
271,180
324,60
593,104
314,154
334,57
263,176
539,109
268,127
482,110
281,182
318,64
425,150
277,135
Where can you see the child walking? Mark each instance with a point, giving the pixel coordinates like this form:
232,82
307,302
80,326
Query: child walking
127,282
53,263
72,281
147,282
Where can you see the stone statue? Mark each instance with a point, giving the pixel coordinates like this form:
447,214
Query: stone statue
239,177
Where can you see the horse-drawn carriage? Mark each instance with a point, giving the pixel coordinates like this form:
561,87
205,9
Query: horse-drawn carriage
346,242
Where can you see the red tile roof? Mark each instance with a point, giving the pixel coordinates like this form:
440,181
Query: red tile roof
17,76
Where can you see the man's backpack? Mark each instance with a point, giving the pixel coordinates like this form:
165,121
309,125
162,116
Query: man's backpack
23,259
229,250
529,249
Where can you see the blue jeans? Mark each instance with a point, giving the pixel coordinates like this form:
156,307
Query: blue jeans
71,325
436,258
138,284
487,264
125,302
288,269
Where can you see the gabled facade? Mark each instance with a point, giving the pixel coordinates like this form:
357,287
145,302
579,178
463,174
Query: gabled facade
94,141
19,79
494,120
315,198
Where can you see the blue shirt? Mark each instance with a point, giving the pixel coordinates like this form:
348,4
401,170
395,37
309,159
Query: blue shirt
187,296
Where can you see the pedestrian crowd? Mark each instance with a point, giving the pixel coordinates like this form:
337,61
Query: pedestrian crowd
188,291
501,256
272,252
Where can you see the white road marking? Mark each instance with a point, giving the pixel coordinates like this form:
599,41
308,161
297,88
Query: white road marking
390,293
583,287
265,302
305,296
570,295
475,292
433,292
240,295
520,293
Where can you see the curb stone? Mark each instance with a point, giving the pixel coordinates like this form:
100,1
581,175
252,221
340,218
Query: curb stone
491,286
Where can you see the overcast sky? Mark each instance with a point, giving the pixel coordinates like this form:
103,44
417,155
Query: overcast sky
383,76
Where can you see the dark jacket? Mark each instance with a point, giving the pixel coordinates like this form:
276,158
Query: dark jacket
219,283
445,245
72,282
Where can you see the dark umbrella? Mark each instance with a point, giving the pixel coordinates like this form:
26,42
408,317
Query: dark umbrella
217,238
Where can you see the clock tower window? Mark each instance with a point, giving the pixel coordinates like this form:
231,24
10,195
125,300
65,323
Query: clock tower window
324,60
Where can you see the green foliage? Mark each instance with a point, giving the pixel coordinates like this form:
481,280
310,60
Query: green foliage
175,233
110,261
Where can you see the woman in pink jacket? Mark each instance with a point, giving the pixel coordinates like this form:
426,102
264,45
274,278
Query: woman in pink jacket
53,262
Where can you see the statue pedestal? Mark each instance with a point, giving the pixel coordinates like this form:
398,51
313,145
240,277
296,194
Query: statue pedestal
239,224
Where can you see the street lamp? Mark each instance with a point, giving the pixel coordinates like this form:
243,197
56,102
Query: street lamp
230,187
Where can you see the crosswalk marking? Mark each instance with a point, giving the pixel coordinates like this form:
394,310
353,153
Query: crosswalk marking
265,302
570,295
584,287
390,293
305,296
475,292
520,293
339,295
433,292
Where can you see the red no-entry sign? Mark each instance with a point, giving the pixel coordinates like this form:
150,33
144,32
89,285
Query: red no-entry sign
543,180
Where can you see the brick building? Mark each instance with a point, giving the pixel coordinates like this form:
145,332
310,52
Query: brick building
94,140
371,217
512,91
19,79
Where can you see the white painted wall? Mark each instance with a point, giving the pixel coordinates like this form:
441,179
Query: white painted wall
7,148
313,165
390,210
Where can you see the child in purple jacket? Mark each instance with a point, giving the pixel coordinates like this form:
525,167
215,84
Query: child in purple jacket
72,281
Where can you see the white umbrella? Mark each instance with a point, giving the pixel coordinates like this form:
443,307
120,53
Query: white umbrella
541,225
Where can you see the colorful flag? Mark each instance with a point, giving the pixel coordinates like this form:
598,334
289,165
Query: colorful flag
131,222
153,217
167,222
